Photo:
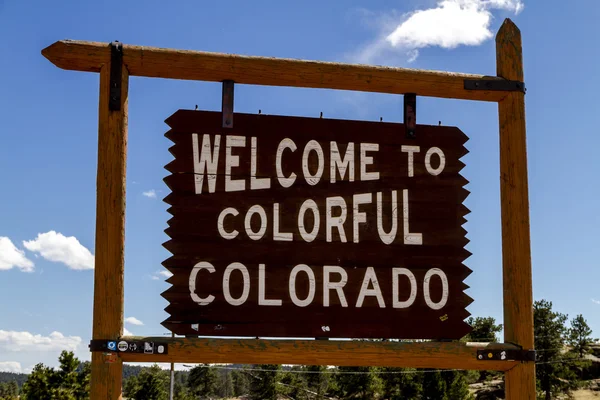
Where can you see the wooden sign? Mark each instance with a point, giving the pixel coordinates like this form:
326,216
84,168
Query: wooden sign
309,227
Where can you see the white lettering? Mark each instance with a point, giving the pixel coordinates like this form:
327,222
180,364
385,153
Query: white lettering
311,285
192,283
256,209
312,206
338,286
370,278
367,160
283,181
359,216
409,238
387,237
204,161
396,272
236,266
440,168
336,222
411,150
221,226
233,185
313,145
262,301
444,299
347,164
277,235
256,183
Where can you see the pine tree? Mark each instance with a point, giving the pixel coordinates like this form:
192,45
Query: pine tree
295,384
434,386
151,384
264,382
241,383
401,383
552,374
359,382
318,380
580,336
484,330
202,380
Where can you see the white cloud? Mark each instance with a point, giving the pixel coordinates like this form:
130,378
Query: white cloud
163,273
451,23
11,257
56,247
133,321
10,366
596,301
24,341
126,332
150,194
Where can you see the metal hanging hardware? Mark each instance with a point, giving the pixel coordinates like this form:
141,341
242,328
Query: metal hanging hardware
495,84
128,346
410,115
116,65
227,104
506,355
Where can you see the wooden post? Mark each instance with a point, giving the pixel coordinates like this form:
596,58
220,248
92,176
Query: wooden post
106,377
516,252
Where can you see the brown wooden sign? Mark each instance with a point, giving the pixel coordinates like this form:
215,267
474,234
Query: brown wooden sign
309,227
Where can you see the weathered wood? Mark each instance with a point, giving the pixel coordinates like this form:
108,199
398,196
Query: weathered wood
110,236
217,67
516,252
324,352
199,195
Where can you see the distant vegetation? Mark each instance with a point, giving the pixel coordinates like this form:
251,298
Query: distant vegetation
565,358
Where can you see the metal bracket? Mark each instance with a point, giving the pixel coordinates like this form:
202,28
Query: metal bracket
410,114
227,104
495,84
506,355
128,346
116,65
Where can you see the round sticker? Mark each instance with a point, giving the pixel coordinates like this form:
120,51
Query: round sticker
123,346
161,349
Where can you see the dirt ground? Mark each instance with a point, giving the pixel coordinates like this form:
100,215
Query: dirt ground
586,395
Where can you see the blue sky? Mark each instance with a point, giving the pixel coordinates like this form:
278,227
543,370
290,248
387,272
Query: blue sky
48,140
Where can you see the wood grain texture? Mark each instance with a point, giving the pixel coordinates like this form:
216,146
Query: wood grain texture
325,352
217,67
110,236
516,252
434,201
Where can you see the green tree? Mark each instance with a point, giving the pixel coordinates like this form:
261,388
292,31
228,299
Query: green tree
318,380
264,382
484,330
456,382
68,382
553,375
358,383
401,383
9,390
151,384
241,383
434,386
295,384
202,381
224,384
580,336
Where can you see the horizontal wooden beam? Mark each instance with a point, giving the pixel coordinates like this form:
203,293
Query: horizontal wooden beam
443,355
216,67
